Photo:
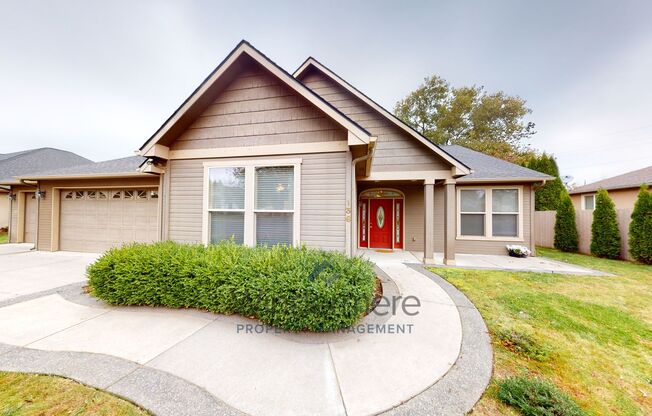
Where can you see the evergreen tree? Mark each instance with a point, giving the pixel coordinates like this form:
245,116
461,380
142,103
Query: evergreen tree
546,197
605,238
566,237
640,229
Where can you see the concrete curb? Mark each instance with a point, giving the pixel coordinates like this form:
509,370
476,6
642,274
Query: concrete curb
462,386
157,391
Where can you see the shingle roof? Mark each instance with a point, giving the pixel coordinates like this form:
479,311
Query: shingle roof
28,161
632,179
126,165
487,167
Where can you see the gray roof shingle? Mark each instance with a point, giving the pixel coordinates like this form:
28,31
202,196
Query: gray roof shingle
125,165
28,161
632,179
488,168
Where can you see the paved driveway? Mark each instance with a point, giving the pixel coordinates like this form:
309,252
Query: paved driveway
24,272
249,368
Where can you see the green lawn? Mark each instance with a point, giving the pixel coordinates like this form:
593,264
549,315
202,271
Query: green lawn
3,237
590,336
32,395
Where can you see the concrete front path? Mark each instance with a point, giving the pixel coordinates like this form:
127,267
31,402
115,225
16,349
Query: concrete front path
377,366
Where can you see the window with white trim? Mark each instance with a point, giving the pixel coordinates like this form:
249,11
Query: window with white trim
491,212
588,202
254,203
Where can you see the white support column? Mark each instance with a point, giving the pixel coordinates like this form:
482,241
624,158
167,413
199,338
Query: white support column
429,222
450,213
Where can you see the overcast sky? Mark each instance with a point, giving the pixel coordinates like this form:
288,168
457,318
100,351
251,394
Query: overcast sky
98,78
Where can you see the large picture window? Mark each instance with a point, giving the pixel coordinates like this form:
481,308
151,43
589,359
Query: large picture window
490,212
254,203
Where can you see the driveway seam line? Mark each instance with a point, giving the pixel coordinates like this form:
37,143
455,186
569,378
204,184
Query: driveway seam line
177,343
337,378
65,329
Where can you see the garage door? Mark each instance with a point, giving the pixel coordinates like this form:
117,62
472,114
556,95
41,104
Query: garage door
30,218
96,220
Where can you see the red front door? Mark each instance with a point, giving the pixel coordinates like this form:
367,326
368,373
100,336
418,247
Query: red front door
380,223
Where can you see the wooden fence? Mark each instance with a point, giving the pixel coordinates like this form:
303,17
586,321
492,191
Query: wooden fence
544,229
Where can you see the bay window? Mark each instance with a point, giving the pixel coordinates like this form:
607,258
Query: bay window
252,202
490,213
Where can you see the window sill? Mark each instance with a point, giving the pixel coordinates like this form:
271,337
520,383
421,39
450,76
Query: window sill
479,238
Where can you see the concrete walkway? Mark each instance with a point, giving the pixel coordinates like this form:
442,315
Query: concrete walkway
380,365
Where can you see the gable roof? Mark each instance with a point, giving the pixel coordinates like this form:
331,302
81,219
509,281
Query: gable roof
184,115
126,166
633,179
491,169
28,161
312,62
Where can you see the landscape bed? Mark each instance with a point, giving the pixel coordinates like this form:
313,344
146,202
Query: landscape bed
565,339
290,288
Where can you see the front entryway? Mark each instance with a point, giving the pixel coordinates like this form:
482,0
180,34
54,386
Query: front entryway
380,215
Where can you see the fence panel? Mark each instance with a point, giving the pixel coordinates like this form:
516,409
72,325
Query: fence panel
544,227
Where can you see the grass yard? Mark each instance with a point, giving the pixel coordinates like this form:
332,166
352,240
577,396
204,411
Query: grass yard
3,237
31,394
589,336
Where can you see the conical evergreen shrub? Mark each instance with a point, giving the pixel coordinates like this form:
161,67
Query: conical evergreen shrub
640,229
566,237
605,238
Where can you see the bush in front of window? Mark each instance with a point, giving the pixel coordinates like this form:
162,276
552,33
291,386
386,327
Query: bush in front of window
290,288
640,229
605,237
566,236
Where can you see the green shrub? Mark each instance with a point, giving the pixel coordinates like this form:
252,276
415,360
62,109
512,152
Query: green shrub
640,229
536,397
523,344
566,237
605,237
290,288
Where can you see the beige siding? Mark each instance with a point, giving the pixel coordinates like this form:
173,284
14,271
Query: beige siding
395,150
323,199
497,246
623,198
257,109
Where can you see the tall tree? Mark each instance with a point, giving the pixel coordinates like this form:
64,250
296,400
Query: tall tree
490,123
546,197
640,229
605,237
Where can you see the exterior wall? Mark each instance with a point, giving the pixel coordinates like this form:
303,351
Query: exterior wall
258,109
395,149
4,209
491,246
623,198
46,204
323,199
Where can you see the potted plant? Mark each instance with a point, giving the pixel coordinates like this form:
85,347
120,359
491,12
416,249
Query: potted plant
518,251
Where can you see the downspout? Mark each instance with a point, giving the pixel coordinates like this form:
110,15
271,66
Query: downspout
354,197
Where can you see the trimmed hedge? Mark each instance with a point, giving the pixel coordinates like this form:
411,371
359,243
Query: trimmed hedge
640,229
289,288
566,236
605,237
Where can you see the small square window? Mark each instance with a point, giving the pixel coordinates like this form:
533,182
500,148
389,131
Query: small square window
69,195
153,194
129,194
79,194
102,195
91,195
141,194
116,195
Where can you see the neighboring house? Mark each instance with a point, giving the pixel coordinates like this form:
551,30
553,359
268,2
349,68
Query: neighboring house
262,157
623,189
25,162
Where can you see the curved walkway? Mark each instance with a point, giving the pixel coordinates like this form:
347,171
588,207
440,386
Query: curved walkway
437,361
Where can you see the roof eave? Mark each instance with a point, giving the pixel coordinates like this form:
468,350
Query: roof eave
505,180
86,176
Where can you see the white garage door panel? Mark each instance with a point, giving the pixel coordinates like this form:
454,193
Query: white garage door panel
95,221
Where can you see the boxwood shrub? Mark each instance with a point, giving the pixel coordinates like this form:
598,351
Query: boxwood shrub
289,288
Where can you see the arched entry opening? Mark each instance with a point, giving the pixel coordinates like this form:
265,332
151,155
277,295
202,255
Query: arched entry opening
381,218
